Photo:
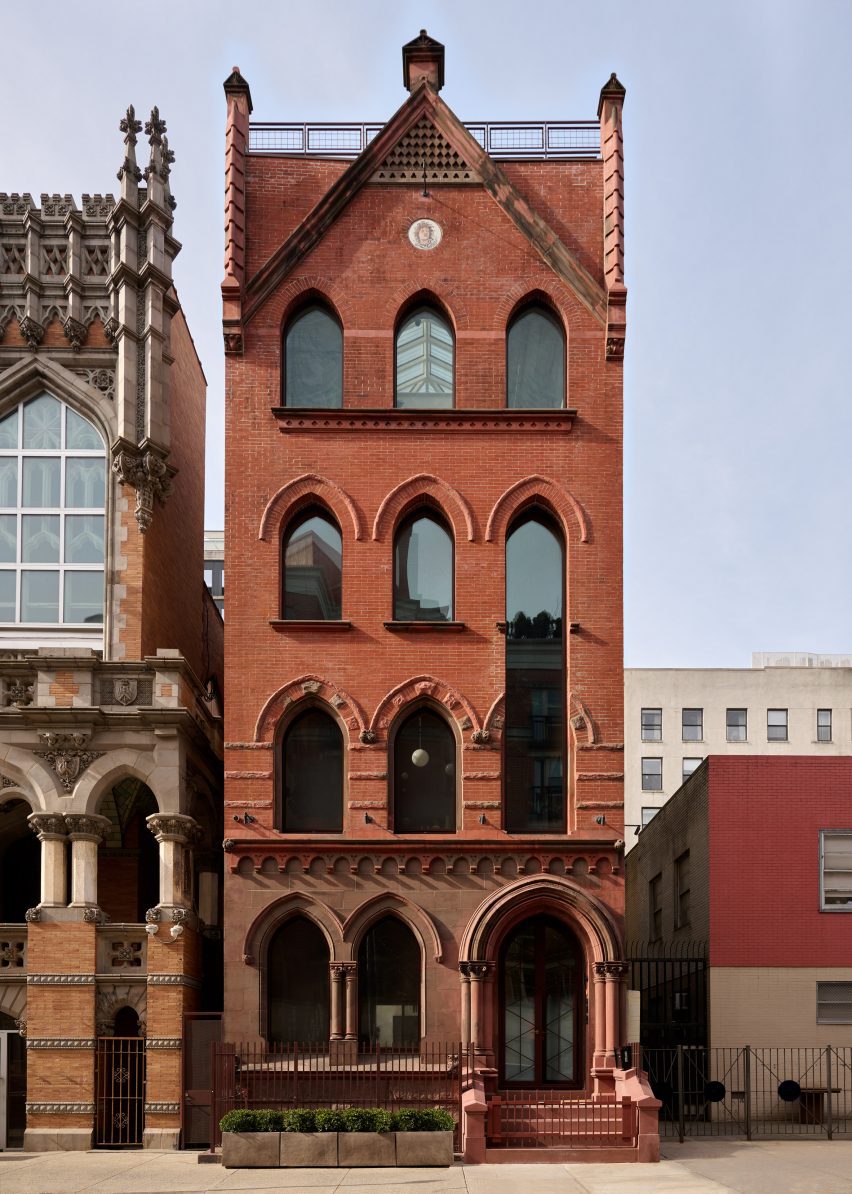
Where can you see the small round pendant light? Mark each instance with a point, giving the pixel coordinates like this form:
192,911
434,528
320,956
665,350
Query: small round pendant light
420,757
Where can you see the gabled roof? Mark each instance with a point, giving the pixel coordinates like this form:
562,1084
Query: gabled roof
425,101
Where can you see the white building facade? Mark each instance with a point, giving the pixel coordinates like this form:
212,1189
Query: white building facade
787,703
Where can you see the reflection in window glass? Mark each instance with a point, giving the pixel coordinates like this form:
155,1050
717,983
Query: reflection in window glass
84,599
8,538
41,481
534,733
42,423
39,535
313,570
313,360
39,596
40,539
389,986
423,571
313,775
535,360
424,775
424,362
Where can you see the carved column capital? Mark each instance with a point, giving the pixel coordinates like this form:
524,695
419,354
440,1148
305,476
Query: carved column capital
342,970
145,471
612,971
481,971
48,826
171,827
87,827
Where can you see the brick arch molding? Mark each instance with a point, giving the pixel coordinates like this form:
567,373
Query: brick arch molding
309,485
555,496
391,904
417,688
424,485
308,688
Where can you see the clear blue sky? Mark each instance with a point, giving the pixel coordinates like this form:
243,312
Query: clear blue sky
739,176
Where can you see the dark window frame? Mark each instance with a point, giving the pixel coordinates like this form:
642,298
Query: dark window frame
374,923
281,731
696,759
770,737
684,725
655,907
266,953
422,509
827,726
532,512
310,508
652,759
424,302
682,865
545,308
658,737
729,725
405,715
311,302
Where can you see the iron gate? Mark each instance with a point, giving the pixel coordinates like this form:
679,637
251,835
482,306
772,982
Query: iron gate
119,1091
672,981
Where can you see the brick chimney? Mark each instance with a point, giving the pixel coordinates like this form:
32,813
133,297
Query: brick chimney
423,58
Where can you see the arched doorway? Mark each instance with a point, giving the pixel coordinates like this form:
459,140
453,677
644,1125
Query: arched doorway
19,862
542,998
128,860
389,986
298,1001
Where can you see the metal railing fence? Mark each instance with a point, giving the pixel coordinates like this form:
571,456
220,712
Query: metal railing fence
751,1092
554,1119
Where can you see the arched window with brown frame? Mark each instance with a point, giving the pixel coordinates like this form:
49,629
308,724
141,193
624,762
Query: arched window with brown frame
313,358
297,983
423,569
312,559
389,965
535,359
534,748
311,774
424,774
425,360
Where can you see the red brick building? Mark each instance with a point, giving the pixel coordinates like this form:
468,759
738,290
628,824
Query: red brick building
424,542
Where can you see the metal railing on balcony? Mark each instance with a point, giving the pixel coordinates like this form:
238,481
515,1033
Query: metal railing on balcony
500,138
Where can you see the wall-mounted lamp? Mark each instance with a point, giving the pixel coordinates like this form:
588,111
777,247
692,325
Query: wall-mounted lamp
176,931
151,930
482,820
601,820
245,818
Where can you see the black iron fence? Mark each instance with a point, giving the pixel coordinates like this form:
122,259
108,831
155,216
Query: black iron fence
752,1093
671,979
119,1092
282,1076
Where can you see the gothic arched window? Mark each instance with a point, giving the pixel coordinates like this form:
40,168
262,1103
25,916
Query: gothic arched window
313,359
534,732
535,359
312,774
389,985
297,983
422,570
424,775
424,361
52,502
313,568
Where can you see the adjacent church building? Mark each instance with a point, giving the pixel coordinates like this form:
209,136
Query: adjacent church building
110,668
424,324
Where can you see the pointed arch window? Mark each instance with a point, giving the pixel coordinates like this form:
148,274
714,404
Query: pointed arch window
312,775
534,733
389,986
423,570
313,568
425,354
313,359
424,775
298,1003
52,501
535,359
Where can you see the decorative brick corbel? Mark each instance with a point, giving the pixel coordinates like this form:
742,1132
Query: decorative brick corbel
146,472
75,332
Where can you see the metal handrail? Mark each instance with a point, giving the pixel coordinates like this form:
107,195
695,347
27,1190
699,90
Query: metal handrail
530,139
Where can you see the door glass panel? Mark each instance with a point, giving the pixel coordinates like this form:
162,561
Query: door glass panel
541,979
520,1008
559,995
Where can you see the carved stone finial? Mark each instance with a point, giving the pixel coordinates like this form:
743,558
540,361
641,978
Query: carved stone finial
155,127
165,170
130,126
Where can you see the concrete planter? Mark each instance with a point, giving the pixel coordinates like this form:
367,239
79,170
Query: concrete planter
424,1148
308,1150
366,1149
251,1150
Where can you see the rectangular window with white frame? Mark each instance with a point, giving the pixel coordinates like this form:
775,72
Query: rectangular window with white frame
835,870
823,725
834,1003
692,723
652,725
652,775
736,725
648,814
776,725
690,765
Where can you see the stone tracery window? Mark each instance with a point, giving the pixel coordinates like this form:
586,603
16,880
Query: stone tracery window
535,359
313,359
424,361
52,504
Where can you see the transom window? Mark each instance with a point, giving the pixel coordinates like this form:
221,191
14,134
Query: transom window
424,361
52,500
535,360
313,359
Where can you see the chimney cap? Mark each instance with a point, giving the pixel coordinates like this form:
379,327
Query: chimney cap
423,58
235,84
613,89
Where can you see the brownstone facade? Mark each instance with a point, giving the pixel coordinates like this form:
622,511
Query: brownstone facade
110,668
423,224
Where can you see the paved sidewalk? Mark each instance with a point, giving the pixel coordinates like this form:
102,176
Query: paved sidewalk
697,1167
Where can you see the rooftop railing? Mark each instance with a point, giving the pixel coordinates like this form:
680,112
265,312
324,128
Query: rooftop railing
536,139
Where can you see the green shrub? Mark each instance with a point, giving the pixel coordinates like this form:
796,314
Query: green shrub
366,1119
270,1121
239,1120
330,1121
300,1119
423,1119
